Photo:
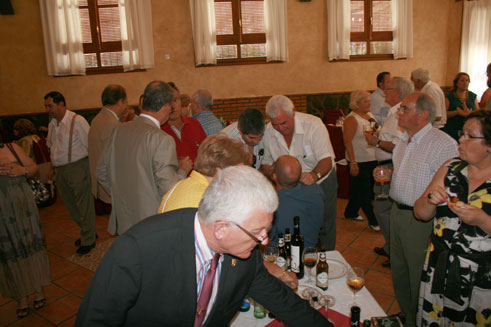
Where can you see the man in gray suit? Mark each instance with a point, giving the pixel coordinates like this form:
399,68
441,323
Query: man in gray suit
140,161
114,103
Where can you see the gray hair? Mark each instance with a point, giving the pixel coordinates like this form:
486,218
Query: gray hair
156,95
356,97
421,74
203,98
279,103
234,193
426,102
403,85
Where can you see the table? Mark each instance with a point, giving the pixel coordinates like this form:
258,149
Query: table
337,288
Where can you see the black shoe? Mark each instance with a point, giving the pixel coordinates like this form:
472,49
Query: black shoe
78,241
84,249
380,251
386,263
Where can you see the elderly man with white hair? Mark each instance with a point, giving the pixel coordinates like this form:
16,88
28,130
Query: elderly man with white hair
194,268
421,80
304,137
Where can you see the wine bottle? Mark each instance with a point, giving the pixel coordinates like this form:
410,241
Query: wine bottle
355,316
288,248
281,261
322,278
297,249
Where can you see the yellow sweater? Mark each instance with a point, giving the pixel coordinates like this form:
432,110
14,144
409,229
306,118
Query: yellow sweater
185,194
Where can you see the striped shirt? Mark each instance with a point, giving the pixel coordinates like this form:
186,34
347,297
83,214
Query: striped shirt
209,122
416,162
204,255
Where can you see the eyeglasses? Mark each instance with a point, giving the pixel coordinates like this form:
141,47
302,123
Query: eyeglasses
468,136
252,236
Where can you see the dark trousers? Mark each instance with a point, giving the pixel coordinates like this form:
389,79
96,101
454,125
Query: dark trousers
327,235
361,192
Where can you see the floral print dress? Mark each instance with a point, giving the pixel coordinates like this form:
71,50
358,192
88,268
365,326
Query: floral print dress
456,279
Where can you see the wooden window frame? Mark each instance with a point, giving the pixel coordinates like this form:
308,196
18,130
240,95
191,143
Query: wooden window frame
368,35
97,46
238,38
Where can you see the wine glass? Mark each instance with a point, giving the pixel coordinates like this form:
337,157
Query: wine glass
382,174
309,258
367,129
355,279
271,252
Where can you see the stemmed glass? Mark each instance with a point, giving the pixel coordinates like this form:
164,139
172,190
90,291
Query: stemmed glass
382,174
355,280
309,258
271,252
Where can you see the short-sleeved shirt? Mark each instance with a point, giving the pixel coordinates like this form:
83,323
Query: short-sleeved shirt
209,122
390,132
59,135
416,162
189,138
378,107
232,131
436,93
310,143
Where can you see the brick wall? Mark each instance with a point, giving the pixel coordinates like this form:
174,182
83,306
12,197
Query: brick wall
230,109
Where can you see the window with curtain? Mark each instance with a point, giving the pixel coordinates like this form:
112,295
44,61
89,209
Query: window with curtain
101,36
240,31
371,29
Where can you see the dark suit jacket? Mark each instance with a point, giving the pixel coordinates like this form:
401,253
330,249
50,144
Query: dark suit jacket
148,278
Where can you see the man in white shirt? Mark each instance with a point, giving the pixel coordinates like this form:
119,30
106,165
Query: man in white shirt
140,162
304,137
378,104
114,103
389,135
249,130
67,140
421,80
417,157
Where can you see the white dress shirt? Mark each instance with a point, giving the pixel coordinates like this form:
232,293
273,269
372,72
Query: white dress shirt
232,131
59,134
436,93
154,120
310,143
378,107
390,132
416,163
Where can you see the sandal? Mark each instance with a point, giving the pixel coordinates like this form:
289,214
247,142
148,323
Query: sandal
39,304
22,313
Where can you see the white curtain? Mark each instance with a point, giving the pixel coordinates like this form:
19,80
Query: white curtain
136,34
402,26
475,52
338,29
275,21
204,31
62,37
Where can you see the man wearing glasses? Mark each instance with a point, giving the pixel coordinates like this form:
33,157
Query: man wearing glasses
416,158
194,268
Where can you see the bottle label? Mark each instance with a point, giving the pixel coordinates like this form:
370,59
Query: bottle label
281,262
322,279
295,259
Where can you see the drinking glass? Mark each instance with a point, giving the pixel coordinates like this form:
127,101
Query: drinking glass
355,279
367,130
382,174
309,258
271,252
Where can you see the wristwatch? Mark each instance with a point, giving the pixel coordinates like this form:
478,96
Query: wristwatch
378,144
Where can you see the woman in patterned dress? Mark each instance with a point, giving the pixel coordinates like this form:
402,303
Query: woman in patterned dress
456,279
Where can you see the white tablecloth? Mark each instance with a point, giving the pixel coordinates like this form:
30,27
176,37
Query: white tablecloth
337,288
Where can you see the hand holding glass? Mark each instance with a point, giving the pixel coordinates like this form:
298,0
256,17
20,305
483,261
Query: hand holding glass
382,174
271,252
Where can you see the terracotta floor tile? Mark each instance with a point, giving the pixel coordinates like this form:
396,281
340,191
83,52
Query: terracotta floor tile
385,301
367,240
4,300
359,257
65,249
378,265
55,238
61,268
7,313
53,292
380,282
75,280
394,308
62,309
69,322
33,320
345,238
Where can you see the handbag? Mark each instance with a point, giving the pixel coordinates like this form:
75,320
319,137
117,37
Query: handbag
44,193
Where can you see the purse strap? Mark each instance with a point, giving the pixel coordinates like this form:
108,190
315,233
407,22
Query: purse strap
11,148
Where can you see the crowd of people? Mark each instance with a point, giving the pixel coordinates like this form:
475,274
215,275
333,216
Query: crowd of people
182,189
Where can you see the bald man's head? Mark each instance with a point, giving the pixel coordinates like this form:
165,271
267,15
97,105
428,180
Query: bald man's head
287,170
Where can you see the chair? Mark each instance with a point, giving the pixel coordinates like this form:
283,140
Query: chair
337,141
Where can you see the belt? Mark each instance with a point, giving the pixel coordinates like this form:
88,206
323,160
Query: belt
384,162
402,206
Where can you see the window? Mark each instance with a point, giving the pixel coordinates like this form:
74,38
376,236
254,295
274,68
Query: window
371,29
101,36
240,31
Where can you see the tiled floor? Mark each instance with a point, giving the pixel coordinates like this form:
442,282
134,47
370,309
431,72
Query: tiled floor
70,281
